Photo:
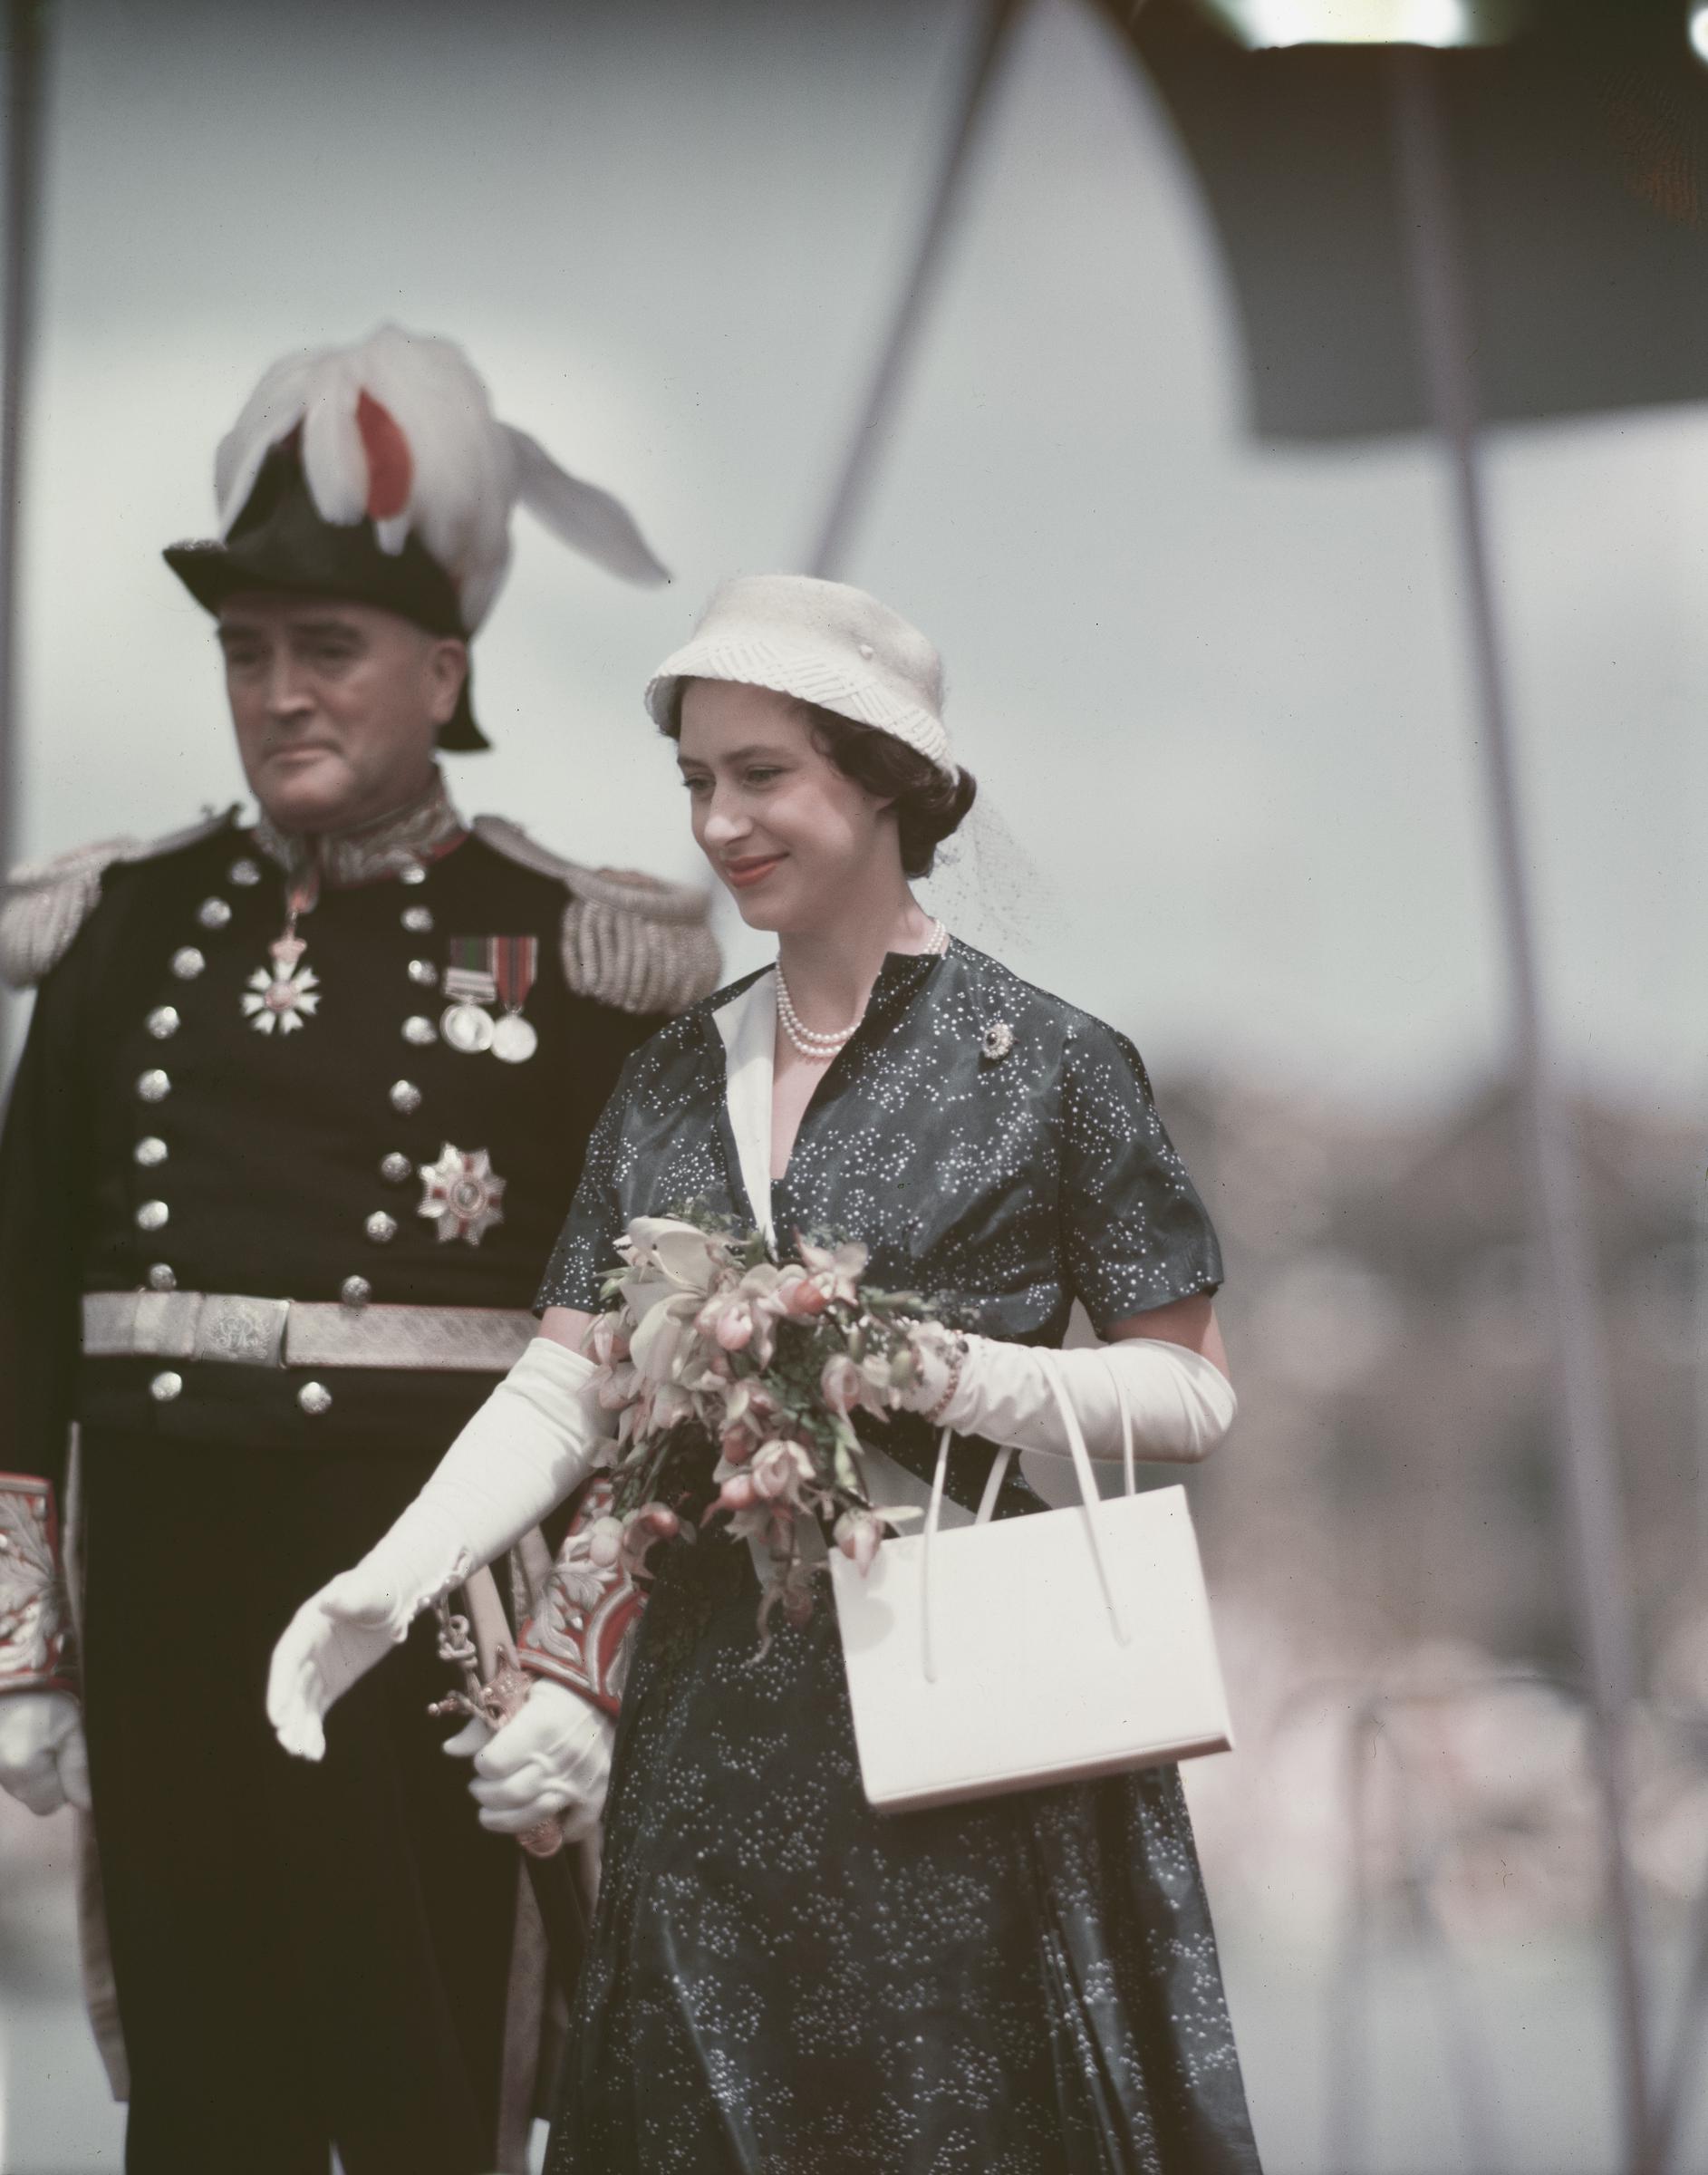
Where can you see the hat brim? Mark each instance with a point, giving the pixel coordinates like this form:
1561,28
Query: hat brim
215,573
809,678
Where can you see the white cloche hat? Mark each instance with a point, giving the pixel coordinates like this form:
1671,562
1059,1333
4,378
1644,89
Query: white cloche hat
821,641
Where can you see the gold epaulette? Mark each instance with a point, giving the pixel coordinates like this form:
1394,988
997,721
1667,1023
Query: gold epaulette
45,904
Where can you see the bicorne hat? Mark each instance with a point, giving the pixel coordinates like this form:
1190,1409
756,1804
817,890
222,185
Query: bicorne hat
378,472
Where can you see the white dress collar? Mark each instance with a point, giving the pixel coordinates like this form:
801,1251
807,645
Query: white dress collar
748,1024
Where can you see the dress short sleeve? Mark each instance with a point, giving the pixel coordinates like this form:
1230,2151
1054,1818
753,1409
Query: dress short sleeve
1133,1233
587,1247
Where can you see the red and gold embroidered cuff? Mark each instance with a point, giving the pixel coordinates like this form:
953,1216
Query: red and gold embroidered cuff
36,1636
578,1634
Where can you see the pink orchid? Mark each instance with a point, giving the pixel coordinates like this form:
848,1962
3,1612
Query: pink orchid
779,1468
607,1339
653,1522
738,1445
738,1493
840,1383
835,1270
857,1533
618,1386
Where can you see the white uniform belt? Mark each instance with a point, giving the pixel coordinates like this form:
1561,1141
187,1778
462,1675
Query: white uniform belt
232,1330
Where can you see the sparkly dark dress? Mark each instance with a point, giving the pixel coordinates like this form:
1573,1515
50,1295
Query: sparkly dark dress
780,1981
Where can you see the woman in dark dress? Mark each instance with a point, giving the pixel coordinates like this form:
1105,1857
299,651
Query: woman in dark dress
779,1979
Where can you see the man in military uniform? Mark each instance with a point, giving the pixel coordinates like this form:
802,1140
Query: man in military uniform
301,1108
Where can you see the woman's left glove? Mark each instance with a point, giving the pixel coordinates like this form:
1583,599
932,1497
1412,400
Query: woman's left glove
1180,1403
552,1758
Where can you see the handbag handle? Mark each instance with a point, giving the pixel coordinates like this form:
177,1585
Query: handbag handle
1089,1501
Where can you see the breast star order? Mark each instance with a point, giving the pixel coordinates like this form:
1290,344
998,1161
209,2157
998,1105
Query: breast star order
281,1001
460,1193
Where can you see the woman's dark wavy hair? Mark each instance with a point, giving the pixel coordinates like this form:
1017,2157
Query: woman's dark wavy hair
928,804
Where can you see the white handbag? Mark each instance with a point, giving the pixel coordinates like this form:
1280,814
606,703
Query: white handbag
1049,1648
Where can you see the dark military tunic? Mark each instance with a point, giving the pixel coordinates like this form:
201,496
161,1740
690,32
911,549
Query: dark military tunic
778,1977
302,1954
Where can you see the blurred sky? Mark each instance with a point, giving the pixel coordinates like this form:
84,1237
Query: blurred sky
1217,692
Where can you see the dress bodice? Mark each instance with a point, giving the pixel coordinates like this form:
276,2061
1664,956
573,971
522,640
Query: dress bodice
997,1150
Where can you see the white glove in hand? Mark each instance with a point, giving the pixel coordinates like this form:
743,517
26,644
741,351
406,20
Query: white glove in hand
534,1439
552,1757
42,1760
1182,1403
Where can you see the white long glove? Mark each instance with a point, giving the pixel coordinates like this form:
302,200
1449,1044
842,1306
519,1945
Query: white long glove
536,1438
552,1757
42,1760
1182,1403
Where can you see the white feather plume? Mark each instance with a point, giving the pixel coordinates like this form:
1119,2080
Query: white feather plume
468,470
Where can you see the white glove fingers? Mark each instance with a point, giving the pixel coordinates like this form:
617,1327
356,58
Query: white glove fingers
470,1739
517,1822
73,1770
37,1786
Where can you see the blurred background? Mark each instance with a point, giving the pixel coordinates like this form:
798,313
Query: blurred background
1160,483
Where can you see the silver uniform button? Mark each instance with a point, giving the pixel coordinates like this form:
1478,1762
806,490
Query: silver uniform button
154,1086
165,1387
418,920
150,1150
314,1397
418,1032
414,874
404,1096
188,962
244,871
213,913
423,973
153,1215
381,1228
356,1292
162,1021
161,1277
395,1168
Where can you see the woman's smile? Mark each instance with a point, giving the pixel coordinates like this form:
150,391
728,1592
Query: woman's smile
751,869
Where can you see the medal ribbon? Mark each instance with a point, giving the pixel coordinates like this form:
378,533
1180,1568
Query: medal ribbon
516,962
468,973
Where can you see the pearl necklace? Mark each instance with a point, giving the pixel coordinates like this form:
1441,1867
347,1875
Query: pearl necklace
807,1040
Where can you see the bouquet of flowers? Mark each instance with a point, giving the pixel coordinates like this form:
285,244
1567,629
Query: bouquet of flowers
735,1378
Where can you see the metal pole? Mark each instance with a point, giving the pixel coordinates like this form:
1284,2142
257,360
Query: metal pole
847,500
26,41
1585,1431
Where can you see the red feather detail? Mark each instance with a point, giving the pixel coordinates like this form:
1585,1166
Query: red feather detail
391,470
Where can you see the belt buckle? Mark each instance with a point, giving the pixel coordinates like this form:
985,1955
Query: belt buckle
243,1332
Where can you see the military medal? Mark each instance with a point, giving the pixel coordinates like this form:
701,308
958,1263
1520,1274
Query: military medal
471,984
483,971
460,1194
516,963
287,993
